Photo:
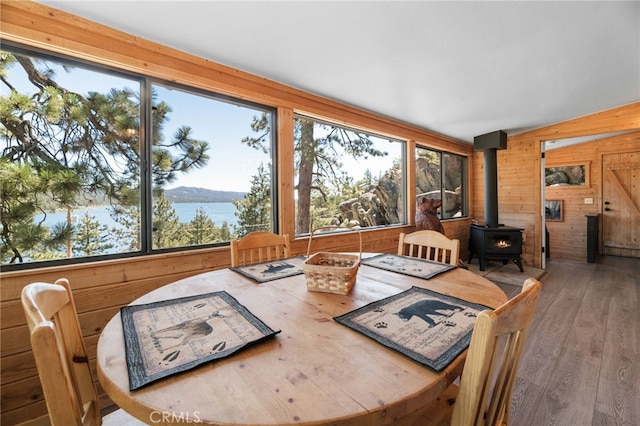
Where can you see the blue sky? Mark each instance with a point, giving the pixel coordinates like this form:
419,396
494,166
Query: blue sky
223,125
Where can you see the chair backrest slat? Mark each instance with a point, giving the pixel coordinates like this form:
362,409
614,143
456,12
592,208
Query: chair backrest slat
259,246
430,245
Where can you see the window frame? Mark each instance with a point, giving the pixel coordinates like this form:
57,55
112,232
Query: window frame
273,154
403,159
464,201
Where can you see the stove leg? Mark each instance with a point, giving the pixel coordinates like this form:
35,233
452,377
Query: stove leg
519,263
481,260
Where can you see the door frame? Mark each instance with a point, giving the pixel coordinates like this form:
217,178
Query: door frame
621,119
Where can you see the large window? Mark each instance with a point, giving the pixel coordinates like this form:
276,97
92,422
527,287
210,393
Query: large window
99,163
442,176
346,177
228,192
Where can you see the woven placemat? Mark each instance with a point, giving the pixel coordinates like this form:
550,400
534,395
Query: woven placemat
272,270
426,326
406,265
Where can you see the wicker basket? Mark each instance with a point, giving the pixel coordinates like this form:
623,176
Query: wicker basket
331,272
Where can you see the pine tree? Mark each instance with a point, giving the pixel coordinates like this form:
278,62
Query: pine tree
91,238
254,210
167,230
128,233
201,229
225,232
22,191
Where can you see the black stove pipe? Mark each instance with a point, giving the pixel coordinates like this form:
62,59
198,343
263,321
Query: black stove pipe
490,143
491,188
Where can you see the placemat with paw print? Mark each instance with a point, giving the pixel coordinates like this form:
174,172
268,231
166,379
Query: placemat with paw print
428,327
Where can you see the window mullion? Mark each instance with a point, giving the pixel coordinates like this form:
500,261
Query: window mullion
146,140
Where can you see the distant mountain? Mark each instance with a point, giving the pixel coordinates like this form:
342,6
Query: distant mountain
185,194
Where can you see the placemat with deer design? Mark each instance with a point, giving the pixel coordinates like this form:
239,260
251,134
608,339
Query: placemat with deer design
272,269
428,327
172,336
406,265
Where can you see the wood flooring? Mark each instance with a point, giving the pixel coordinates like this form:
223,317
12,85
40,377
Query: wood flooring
581,365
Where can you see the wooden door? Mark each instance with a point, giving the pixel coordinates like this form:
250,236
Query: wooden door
621,204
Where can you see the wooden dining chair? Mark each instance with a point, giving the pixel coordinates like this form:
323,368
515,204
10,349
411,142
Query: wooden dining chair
61,357
497,343
430,245
259,246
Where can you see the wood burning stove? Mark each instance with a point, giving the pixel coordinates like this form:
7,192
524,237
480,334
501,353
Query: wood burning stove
493,241
501,243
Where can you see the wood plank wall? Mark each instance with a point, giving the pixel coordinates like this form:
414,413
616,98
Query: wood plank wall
101,288
519,178
568,239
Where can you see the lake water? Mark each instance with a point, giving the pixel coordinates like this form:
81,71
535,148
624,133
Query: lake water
217,212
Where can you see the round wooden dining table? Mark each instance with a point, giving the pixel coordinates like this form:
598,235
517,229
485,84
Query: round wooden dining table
315,371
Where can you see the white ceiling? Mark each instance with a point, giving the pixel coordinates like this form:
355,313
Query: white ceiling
457,68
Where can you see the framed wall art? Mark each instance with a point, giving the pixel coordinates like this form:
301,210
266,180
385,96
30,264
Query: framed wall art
553,210
571,175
